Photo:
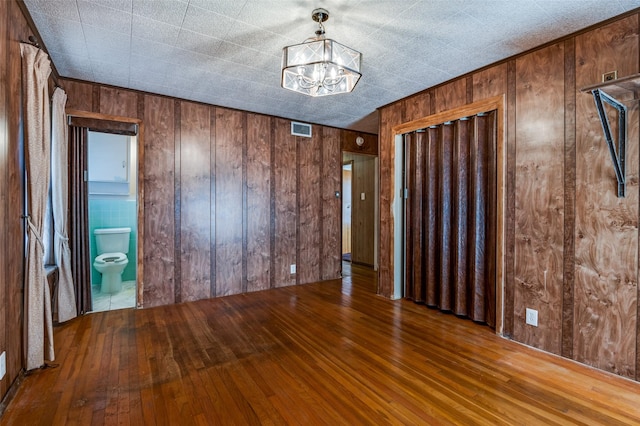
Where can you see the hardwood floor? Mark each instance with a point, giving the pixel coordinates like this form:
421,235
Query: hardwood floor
326,353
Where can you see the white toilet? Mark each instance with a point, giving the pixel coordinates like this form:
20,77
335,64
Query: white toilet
112,245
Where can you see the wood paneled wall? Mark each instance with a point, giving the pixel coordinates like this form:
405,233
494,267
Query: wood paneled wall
606,227
539,196
362,211
571,246
231,198
13,29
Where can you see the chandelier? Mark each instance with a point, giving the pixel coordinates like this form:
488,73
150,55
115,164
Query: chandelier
320,66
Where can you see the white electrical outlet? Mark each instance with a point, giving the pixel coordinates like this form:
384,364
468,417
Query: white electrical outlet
362,196
532,317
3,365
293,268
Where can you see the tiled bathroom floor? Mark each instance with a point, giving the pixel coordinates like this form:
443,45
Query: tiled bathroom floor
126,298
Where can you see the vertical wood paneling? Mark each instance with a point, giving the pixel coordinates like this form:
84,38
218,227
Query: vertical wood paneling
229,134
14,236
79,95
5,191
490,82
122,102
606,244
416,107
451,95
159,242
539,196
510,195
177,196
284,164
370,145
309,198
569,196
195,201
258,202
389,117
331,219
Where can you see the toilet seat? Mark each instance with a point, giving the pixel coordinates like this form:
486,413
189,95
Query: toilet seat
107,258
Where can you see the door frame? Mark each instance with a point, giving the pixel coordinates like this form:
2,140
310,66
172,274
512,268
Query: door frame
139,190
346,163
489,104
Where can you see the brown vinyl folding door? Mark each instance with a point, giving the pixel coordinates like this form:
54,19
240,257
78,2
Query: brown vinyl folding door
450,216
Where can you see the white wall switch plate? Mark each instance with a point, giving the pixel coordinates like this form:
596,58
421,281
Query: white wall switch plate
293,268
532,317
362,196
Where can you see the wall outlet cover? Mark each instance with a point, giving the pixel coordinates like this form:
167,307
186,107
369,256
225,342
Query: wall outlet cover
532,317
293,268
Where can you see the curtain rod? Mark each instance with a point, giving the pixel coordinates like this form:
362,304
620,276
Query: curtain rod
32,40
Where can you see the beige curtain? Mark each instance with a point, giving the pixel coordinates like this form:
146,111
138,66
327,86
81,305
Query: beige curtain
60,200
38,333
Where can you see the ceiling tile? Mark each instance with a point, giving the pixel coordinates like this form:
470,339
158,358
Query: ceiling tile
55,10
206,22
125,5
62,35
196,42
94,14
154,30
150,49
168,11
99,39
227,8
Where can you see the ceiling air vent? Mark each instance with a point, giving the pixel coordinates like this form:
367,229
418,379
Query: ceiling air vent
301,129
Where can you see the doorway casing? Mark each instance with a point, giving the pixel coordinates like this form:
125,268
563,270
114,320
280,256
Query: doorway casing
140,190
495,103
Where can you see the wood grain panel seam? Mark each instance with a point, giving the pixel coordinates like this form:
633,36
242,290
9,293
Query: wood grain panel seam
297,210
177,271
569,199
212,199
321,211
245,190
272,205
470,89
140,206
510,197
95,98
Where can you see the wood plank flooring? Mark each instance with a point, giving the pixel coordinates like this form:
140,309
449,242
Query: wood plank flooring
326,353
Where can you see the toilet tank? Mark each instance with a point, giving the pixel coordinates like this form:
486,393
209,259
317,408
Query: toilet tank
112,240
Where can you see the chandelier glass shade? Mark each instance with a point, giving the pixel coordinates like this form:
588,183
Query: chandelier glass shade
320,66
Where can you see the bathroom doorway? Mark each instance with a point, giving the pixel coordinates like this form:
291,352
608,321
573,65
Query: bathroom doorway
347,173
112,176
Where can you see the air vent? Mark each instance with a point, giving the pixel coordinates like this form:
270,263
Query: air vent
301,129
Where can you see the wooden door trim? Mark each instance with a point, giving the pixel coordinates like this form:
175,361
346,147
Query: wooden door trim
139,190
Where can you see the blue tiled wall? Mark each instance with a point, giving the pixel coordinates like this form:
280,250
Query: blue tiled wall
113,213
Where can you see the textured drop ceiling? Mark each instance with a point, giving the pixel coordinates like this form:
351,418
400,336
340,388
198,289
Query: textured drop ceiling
228,52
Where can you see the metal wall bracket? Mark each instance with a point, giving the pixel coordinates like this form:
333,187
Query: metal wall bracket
618,154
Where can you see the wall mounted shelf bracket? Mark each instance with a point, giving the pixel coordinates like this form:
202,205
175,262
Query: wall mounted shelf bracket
618,155
612,92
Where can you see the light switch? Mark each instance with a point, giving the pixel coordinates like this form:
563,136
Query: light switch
362,196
